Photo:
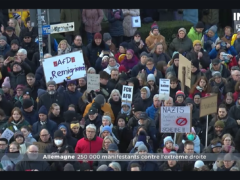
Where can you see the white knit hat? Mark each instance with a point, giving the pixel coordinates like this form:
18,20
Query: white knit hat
199,164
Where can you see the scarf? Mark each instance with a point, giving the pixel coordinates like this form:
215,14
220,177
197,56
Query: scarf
67,50
16,123
43,122
199,88
228,37
150,71
166,150
196,142
126,112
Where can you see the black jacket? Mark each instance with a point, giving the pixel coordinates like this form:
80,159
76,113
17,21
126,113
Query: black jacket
34,89
57,119
33,32
84,51
165,166
234,113
6,106
9,39
111,84
230,87
159,57
134,46
10,53
116,108
204,61
31,48
136,69
145,103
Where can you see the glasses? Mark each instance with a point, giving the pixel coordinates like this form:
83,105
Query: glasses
44,135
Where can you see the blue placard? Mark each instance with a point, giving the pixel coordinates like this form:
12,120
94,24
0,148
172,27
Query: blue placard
46,30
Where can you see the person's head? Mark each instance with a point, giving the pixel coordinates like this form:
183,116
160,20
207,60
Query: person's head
63,128
142,79
228,30
142,149
72,85
107,141
44,135
217,76
181,33
212,31
16,115
14,147
197,45
168,142
150,63
158,48
106,131
92,113
12,22
6,86
71,107
9,31
115,166
54,109
137,110
156,101
112,62
143,57
30,77
126,107
115,74
235,75
26,131
227,140
113,148
82,81
145,92
229,97
42,114
14,45
228,160
137,36
27,38
27,105
91,70
16,67
74,126
3,41
3,144
104,77
219,126
63,44
123,47
173,82
180,96
172,163
107,38
121,121
58,138
135,167
202,82
169,102
189,102
222,111
216,145
19,90
175,59
189,147
129,54
98,39
198,164
142,118
106,119
197,98
19,137
115,95
77,40
51,87
199,27
22,54
216,64
151,79
32,152
90,131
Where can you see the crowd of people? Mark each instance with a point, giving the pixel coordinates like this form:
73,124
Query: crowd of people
46,117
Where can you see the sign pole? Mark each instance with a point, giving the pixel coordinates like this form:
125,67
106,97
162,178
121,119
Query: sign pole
206,132
49,35
40,42
183,79
175,137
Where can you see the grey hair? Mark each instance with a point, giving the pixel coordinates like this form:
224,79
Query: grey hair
156,96
47,55
114,91
91,68
22,51
115,165
91,126
169,75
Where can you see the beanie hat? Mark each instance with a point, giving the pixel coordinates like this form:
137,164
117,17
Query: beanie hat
51,83
6,83
122,116
102,167
20,86
154,26
27,91
180,93
216,74
138,107
43,110
97,36
106,37
151,77
213,28
195,63
17,134
15,41
126,103
3,38
168,138
107,128
182,29
123,75
142,137
68,167
28,34
71,82
175,55
124,45
122,69
219,123
144,54
197,42
27,103
142,147
137,33
99,99
130,51
199,25
58,134
188,100
62,126
198,164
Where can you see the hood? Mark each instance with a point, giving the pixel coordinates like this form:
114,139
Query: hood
67,127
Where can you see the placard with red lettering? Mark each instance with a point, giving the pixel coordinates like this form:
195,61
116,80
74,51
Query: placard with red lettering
64,67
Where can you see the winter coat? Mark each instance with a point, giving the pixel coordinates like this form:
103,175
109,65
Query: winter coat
127,21
137,51
138,68
221,86
30,117
151,111
157,77
33,32
236,45
165,166
214,52
159,57
230,87
116,107
116,25
145,103
42,145
145,165
10,53
209,43
204,60
151,38
34,89
85,100
130,63
4,50
173,69
109,68
52,148
9,39
92,19
198,147
57,119
223,70
112,84
9,163
177,44
194,35
6,106
19,125
234,112
72,15
97,122
31,48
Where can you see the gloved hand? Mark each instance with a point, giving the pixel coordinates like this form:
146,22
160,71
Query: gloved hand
102,54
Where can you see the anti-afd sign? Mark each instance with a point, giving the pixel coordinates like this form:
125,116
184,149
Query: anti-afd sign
208,105
127,93
175,119
64,67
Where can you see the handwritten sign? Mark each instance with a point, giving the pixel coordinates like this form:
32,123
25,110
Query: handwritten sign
164,88
208,105
127,92
41,146
93,82
184,62
64,67
63,27
7,134
175,119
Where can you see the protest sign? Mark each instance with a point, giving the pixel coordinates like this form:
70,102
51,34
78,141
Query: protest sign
64,67
164,88
184,65
127,93
175,119
8,134
63,27
93,82
208,105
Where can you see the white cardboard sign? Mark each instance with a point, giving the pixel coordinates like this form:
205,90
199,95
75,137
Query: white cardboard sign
8,134
127,93
164,88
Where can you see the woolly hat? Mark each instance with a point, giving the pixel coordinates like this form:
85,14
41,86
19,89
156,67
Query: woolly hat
130,51
197,42
144,54
168,138
154,26
58,134
17,134
43,110
199,25
6,83
213,29
124,45
122,116
137,33
216,74
180,93
68,167
198,164
51,83
142,147
126,103
122,69
151,77
219,123
148,91
195,63
102,167
9,28
28,34
106,37
107,128
182,29
99,99
97,36
142,137
15,41
112,147
20,86
123,76
27,91
71,82
188,100
3,38
62,126
138,107
27,103
175,55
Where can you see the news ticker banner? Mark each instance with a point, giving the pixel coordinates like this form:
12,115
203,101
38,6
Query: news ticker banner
126,157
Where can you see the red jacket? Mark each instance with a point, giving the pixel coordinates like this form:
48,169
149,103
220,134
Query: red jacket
85,146
235,96
203,93
232,63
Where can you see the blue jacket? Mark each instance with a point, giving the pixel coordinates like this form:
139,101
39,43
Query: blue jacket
191,15
213,53
6,49
151,111
54,44
51,126
116,25
31,117
39,73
